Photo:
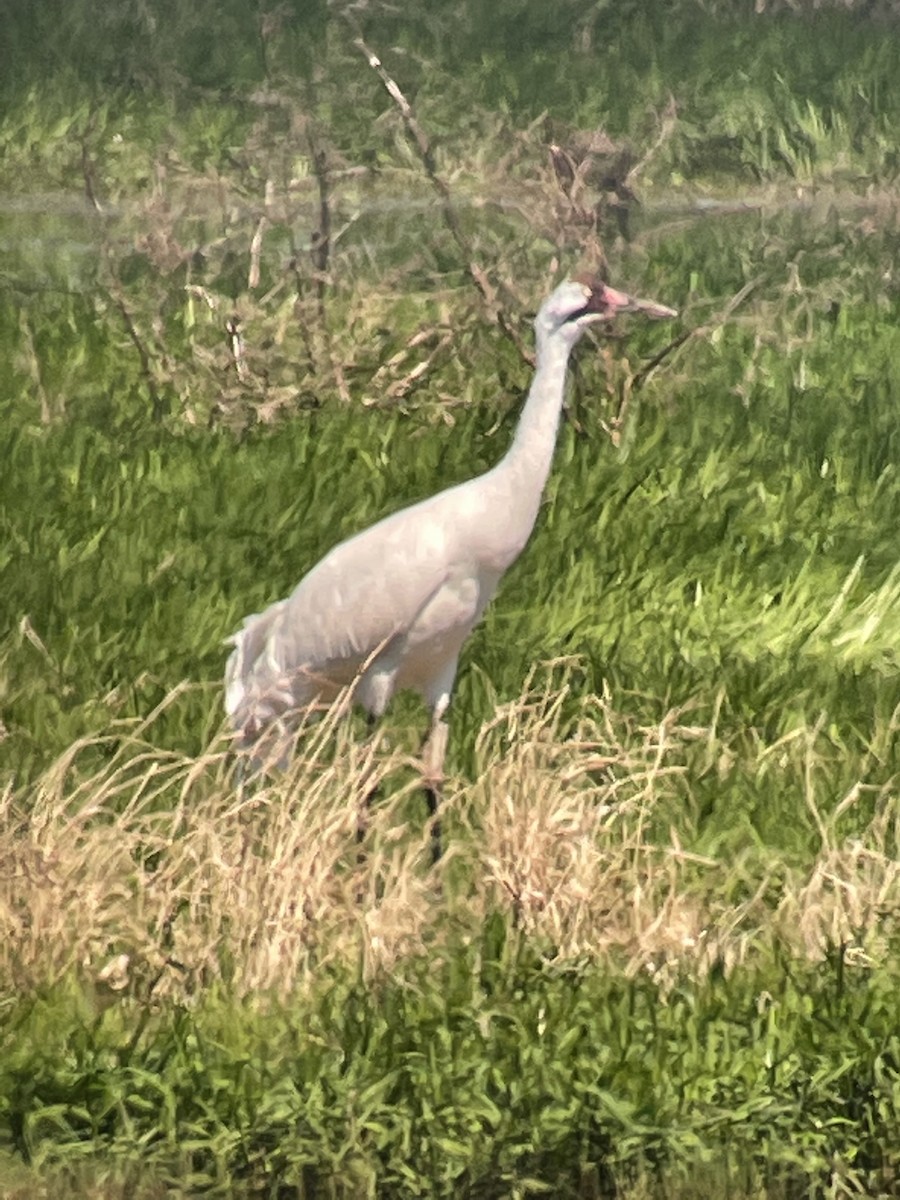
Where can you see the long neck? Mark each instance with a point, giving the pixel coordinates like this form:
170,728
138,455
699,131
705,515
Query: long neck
515,485
530,456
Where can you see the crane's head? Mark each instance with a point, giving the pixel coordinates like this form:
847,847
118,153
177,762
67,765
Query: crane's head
580,302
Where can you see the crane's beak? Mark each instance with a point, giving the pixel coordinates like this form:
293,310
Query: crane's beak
606,301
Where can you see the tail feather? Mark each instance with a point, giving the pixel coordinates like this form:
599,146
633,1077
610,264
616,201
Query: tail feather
257,690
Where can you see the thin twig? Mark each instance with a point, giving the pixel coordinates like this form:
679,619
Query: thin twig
236,345
634,382
158,401
320,250
320,253
255,252
399,388
88,174
698,331
641,377
451,220
666,129
256,241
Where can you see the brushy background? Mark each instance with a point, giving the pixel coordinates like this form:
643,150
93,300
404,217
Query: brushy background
257,291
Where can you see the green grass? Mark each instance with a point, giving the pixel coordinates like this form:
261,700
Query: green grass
659,956
427,1083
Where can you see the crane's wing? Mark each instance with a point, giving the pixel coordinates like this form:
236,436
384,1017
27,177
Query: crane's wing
371,588
369,593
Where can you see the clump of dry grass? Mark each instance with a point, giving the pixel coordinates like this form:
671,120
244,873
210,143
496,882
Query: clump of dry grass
159,874
582,844
850,897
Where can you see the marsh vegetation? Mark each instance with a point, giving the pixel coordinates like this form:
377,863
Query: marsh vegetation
255,293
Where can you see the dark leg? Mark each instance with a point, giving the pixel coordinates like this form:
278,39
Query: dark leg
371,796
434,749
432,799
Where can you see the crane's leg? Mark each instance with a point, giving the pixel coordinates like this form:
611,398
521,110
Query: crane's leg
434,750
371,795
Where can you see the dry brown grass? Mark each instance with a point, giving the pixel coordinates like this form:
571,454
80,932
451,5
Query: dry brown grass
258,328
158,874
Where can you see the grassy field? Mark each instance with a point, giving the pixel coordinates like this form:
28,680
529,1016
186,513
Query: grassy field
659,957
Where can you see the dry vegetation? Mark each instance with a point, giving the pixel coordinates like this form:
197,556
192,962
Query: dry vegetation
155,875
660,949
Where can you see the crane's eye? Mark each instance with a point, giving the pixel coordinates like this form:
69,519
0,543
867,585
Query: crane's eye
579,312
594,305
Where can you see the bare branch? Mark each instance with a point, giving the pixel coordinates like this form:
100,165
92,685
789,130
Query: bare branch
423,146
666,129
159,402
698,331
236,345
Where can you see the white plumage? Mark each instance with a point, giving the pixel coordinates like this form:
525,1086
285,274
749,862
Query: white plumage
391,607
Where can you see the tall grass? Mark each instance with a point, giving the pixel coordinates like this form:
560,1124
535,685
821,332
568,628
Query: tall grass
239,322
224,985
